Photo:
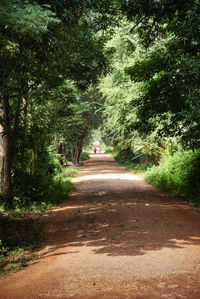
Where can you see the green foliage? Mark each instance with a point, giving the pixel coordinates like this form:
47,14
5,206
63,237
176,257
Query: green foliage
84,156
159,98
167,89
124,155
30,187
119,92
46,186
26,18
3,251
139,168
18,235
145,69
50,54
155,18
108,149
60,189
178,174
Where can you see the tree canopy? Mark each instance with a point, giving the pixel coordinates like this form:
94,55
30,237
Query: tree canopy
69,67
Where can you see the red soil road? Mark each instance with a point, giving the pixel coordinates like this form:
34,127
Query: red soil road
117,237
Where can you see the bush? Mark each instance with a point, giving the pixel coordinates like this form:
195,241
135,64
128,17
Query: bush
84,156
179,174
108,149
124,155
3,251
138,168
60,189
46,186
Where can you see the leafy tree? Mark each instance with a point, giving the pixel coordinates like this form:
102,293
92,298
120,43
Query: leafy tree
21,24
171,70
41,46
118,90
164,94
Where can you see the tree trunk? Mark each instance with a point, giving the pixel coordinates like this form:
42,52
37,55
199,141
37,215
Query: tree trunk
16,123
7,179
25,123
2,153
33,163
59,151
7,183
72,153
64,150
77,151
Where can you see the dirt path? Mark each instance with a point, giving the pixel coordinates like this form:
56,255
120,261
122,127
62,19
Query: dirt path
117,237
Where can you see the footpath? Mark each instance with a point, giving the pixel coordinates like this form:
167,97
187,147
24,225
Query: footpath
116,237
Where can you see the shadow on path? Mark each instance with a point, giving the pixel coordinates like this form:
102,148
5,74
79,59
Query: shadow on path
116,213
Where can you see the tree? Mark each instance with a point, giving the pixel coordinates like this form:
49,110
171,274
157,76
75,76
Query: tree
117,88
42,45
164,94
18,31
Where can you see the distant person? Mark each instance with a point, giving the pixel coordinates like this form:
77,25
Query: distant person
95,150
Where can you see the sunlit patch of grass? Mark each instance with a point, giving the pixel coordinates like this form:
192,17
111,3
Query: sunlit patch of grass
18,237
70,171
15,261
178,174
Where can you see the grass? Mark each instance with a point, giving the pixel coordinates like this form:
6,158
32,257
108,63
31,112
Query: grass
62,187
21,230
59,190
177,173
19,236
137,168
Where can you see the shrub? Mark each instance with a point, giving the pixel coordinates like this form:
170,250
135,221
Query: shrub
108,149
84,156
3,251
124,155
179,174
46,186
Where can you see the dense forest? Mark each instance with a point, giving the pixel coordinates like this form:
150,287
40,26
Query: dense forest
125,71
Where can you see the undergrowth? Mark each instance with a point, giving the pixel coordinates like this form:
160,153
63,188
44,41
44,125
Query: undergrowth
84,156
41,199
45,186
20,227
109,149
177,173
19,236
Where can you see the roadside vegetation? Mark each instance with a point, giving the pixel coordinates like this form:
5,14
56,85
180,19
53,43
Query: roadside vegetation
21,228
177,173
19,237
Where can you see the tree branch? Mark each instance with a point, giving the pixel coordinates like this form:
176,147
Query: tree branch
140,21
98,104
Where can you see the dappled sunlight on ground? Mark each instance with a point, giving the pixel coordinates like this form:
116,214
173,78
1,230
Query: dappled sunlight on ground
116,235
107,176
